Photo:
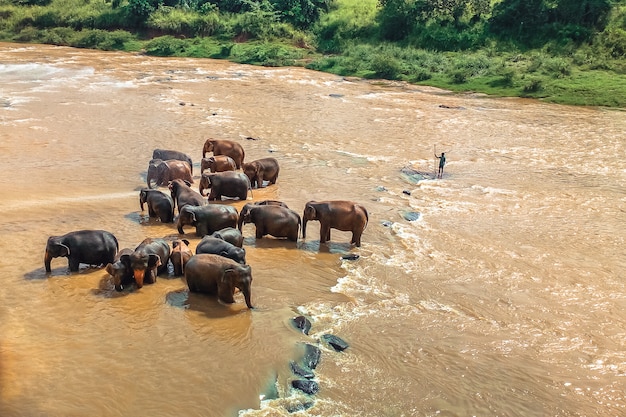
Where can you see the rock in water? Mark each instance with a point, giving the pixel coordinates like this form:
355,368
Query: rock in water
412,216
312,355
335,342
300,371
306,386
302,323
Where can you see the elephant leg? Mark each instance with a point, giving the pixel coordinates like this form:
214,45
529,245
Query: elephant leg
73,264
324,233
202,230
150,276
356,238
260,232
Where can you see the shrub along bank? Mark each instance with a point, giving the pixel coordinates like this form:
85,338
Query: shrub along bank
564,51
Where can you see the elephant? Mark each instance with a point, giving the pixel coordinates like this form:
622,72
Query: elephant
227,184
165,154
207,219
218,163
217,246
160,204
118,270
180,255
215,274
92,247
272,220
338,214
225,147
183,195
230,235
148,260
260,170
162,172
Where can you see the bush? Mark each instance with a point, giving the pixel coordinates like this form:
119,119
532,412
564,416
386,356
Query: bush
532,85
165,46
385,66
613,41
557,67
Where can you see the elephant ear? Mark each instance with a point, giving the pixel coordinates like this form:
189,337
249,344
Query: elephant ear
67,249
310,212
226,286
125,259
154,261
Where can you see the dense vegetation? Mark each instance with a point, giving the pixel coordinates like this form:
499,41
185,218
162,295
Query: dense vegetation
567,51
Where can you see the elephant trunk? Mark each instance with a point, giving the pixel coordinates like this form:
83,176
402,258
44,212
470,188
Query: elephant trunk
246,296
240,222
47,259
304,220
139,274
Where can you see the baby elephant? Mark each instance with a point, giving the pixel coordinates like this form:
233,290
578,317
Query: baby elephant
272,220
217,275
159,204
122,275
230,235
227,184
218,163
217,246
265,169
180,255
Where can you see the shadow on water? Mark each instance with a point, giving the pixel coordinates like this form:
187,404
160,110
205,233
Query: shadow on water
206,304
41,274
269,243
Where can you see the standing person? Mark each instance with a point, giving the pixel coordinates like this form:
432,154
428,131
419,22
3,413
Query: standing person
442,163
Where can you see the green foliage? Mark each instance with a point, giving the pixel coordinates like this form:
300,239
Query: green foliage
139,10
254,25
447,37
267,54
532,85
184,22
385,65
534,22
614,42
165,46
300,13
354,19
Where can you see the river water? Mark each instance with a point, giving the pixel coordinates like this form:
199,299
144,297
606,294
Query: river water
504,296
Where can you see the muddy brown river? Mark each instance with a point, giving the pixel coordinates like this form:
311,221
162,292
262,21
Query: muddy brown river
498,290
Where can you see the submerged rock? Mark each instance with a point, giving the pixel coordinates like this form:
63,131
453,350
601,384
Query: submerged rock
300,371
306,386
302,323
412,215
350,257
299,406
335,342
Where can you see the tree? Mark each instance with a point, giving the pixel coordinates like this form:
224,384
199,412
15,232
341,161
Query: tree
300,13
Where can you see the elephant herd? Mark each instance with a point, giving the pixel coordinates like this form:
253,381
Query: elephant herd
218,267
